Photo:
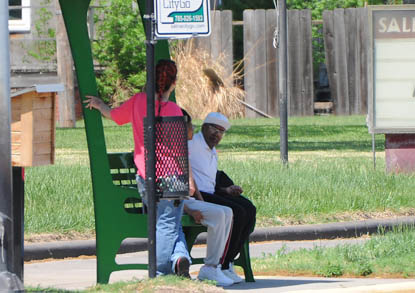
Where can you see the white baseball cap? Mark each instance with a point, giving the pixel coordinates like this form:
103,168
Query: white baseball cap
218,119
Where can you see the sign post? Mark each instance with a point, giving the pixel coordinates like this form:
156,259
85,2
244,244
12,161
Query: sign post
150,171
392,83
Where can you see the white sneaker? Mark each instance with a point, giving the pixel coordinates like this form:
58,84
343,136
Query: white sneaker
214,274
230,273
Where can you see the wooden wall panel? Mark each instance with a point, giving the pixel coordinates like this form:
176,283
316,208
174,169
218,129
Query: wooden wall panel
249,60
346,45
272,64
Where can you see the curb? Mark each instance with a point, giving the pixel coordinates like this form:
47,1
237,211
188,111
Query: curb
64,249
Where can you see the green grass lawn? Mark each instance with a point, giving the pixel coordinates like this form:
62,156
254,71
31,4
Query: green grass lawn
330,175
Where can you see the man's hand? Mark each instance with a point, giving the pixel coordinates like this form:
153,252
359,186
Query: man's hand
234,190
196,215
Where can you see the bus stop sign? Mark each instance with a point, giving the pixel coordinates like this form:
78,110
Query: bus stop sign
182,18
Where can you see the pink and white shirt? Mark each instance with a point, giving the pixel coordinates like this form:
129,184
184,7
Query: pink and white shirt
133,111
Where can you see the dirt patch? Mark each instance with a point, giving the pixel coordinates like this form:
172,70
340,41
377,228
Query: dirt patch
309,156
336,218
198,288
283,273
49,237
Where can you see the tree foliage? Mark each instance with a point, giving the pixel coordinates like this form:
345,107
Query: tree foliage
120,48
316,6
238,6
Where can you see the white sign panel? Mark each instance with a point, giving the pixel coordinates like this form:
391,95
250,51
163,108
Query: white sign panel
182,18
392,107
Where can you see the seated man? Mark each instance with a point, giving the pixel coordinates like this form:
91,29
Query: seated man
204,162
217,219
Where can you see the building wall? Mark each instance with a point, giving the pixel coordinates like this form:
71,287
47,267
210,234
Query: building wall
33,51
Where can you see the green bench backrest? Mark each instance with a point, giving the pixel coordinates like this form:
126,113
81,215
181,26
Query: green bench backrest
123,170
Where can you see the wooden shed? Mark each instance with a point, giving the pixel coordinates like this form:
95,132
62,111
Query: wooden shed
33,125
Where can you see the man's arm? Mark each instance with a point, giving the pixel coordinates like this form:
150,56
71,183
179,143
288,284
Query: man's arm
197,194
234,190
196,215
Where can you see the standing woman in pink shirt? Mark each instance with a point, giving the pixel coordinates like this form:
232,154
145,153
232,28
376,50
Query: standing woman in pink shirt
171,248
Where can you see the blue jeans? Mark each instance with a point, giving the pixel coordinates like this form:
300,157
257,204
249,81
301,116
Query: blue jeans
170,240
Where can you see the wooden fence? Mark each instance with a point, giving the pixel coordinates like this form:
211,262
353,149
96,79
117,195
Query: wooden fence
345,39
261,62
300,63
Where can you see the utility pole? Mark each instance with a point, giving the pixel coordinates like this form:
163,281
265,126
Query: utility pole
5,143
8,280
283,73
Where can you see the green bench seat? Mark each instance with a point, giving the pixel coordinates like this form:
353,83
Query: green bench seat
123,173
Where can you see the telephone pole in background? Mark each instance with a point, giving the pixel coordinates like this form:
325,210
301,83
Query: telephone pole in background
6,226
283,72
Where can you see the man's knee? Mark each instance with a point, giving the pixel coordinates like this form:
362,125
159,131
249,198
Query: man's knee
228,212
224,214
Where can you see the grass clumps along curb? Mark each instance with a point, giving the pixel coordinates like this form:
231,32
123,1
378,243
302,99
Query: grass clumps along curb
169,283
386,255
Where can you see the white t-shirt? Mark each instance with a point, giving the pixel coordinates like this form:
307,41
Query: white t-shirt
204,162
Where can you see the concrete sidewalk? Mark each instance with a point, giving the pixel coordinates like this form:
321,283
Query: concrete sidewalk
63,249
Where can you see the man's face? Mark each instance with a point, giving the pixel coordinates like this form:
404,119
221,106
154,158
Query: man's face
213,134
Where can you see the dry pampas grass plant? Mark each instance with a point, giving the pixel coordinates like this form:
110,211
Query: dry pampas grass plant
203,86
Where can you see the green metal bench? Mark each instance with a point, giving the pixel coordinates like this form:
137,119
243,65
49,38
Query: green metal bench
123,173
117,203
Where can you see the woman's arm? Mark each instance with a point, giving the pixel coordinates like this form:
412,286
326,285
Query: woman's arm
92,102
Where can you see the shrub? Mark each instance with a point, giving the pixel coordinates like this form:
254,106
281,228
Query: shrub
120,48
329,270
203,85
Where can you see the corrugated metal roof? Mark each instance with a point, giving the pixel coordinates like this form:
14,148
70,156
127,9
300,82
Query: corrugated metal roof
40,88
